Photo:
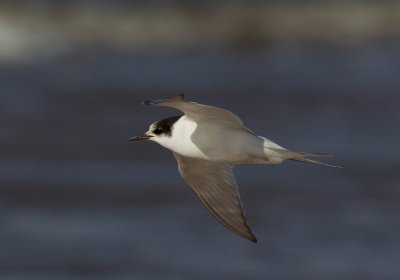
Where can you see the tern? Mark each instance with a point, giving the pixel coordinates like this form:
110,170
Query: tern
207,143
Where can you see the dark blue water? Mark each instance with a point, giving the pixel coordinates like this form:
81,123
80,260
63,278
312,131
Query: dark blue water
78,201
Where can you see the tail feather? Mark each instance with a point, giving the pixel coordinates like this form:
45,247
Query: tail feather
309,154
302,157
307,160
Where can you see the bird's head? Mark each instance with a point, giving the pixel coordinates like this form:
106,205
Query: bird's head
160,131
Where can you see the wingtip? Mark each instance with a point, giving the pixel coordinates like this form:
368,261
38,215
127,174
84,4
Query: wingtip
253,239
248,235
151,102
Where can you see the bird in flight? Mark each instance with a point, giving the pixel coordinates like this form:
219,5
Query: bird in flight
207,143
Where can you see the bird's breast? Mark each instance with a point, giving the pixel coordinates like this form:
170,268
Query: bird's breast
181,140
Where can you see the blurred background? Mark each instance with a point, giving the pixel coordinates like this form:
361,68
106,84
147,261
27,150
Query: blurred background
78,201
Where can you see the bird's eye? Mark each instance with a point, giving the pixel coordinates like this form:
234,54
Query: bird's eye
157,131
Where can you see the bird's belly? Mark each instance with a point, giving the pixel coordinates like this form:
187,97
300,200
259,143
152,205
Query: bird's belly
233,148
218,150
190,150
209,142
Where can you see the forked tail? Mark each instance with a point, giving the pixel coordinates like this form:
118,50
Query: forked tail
303,157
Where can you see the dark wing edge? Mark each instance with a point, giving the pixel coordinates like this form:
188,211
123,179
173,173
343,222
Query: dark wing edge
247,235
217,191
164,101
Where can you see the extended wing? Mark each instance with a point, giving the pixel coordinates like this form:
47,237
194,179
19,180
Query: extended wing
215,185
198,112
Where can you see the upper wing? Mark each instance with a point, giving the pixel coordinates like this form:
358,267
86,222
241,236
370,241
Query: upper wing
215,185
198,112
